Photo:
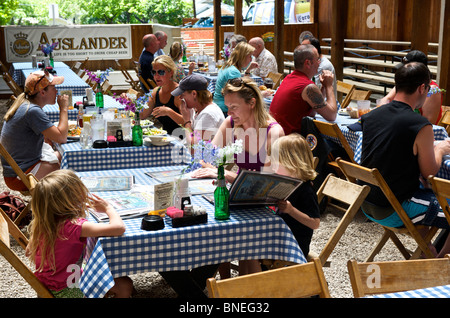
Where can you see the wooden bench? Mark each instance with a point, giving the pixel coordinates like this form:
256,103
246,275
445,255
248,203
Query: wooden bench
381,42
378,52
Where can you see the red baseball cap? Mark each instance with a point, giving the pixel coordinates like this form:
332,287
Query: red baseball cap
39,80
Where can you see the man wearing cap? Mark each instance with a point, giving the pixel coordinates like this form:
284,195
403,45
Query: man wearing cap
200,114
26,126
151,45
400,144
431,109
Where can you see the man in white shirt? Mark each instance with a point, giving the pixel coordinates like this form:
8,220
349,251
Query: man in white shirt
162,38
265,60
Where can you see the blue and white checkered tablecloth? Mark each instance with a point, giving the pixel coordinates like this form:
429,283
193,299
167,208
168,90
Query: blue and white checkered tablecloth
78,159
71,80
431,292
53,110
16,70
249,233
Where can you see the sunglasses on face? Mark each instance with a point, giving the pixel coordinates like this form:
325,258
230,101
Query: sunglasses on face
160,72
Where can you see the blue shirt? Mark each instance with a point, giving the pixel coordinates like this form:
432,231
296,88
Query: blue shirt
22,137
225,74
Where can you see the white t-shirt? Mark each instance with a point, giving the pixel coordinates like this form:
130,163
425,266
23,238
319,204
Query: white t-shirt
209,119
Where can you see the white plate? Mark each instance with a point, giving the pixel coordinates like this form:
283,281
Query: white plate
166,141
343,112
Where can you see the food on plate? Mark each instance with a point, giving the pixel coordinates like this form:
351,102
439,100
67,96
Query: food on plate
74,131
153,131
262,87
267,93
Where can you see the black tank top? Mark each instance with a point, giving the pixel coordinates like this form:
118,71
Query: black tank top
389,133
166,121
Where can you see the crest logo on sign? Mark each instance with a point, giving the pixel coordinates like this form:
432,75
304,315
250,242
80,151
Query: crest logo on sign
21,47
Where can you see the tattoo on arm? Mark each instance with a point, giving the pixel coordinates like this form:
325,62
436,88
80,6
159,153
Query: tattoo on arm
316,98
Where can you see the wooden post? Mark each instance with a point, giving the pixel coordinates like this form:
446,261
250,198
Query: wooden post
217,23
238,17
444,51
420,25
279,34
338,32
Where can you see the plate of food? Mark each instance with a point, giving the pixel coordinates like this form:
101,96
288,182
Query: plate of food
158,140
153,131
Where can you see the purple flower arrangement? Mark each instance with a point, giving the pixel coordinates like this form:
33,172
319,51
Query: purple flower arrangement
133,103
98,77
47,49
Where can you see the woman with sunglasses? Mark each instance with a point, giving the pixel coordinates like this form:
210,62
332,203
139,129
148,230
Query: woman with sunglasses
240,59
162,105
27,132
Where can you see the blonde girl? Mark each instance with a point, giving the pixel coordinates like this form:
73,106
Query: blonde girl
59,229
240,58
291,156
176,53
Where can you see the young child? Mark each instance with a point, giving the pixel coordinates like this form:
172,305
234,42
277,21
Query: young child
291,156
59,229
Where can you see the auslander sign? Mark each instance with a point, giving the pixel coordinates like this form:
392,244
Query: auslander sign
98,42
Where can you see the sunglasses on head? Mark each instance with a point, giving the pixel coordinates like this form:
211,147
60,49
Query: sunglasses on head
160,72
238,82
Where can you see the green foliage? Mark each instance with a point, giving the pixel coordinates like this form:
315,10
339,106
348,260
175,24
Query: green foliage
28,12
7,8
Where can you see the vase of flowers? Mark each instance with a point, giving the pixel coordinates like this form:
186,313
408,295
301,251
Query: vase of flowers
206,151
226,52
47,49
135,104
99,78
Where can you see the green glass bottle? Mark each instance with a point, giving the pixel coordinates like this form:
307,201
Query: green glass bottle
136,132
221,196
99,98
52,63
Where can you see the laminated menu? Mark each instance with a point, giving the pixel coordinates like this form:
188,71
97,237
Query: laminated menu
260,188
108,183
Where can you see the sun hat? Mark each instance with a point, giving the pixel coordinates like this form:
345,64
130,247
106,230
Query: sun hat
39,80
192,82
413,56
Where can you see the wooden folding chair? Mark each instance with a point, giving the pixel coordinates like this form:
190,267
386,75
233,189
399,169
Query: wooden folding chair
332,130
441,188
106,86
344,89
12,258
360,95
29,180
15,88
79,67
296,281
373,278
348,193
355,172
128,78
276,78
149,84
445,120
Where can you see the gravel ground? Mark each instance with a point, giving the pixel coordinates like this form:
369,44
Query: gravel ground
356,243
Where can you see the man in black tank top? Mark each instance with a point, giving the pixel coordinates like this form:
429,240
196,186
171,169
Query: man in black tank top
400,144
